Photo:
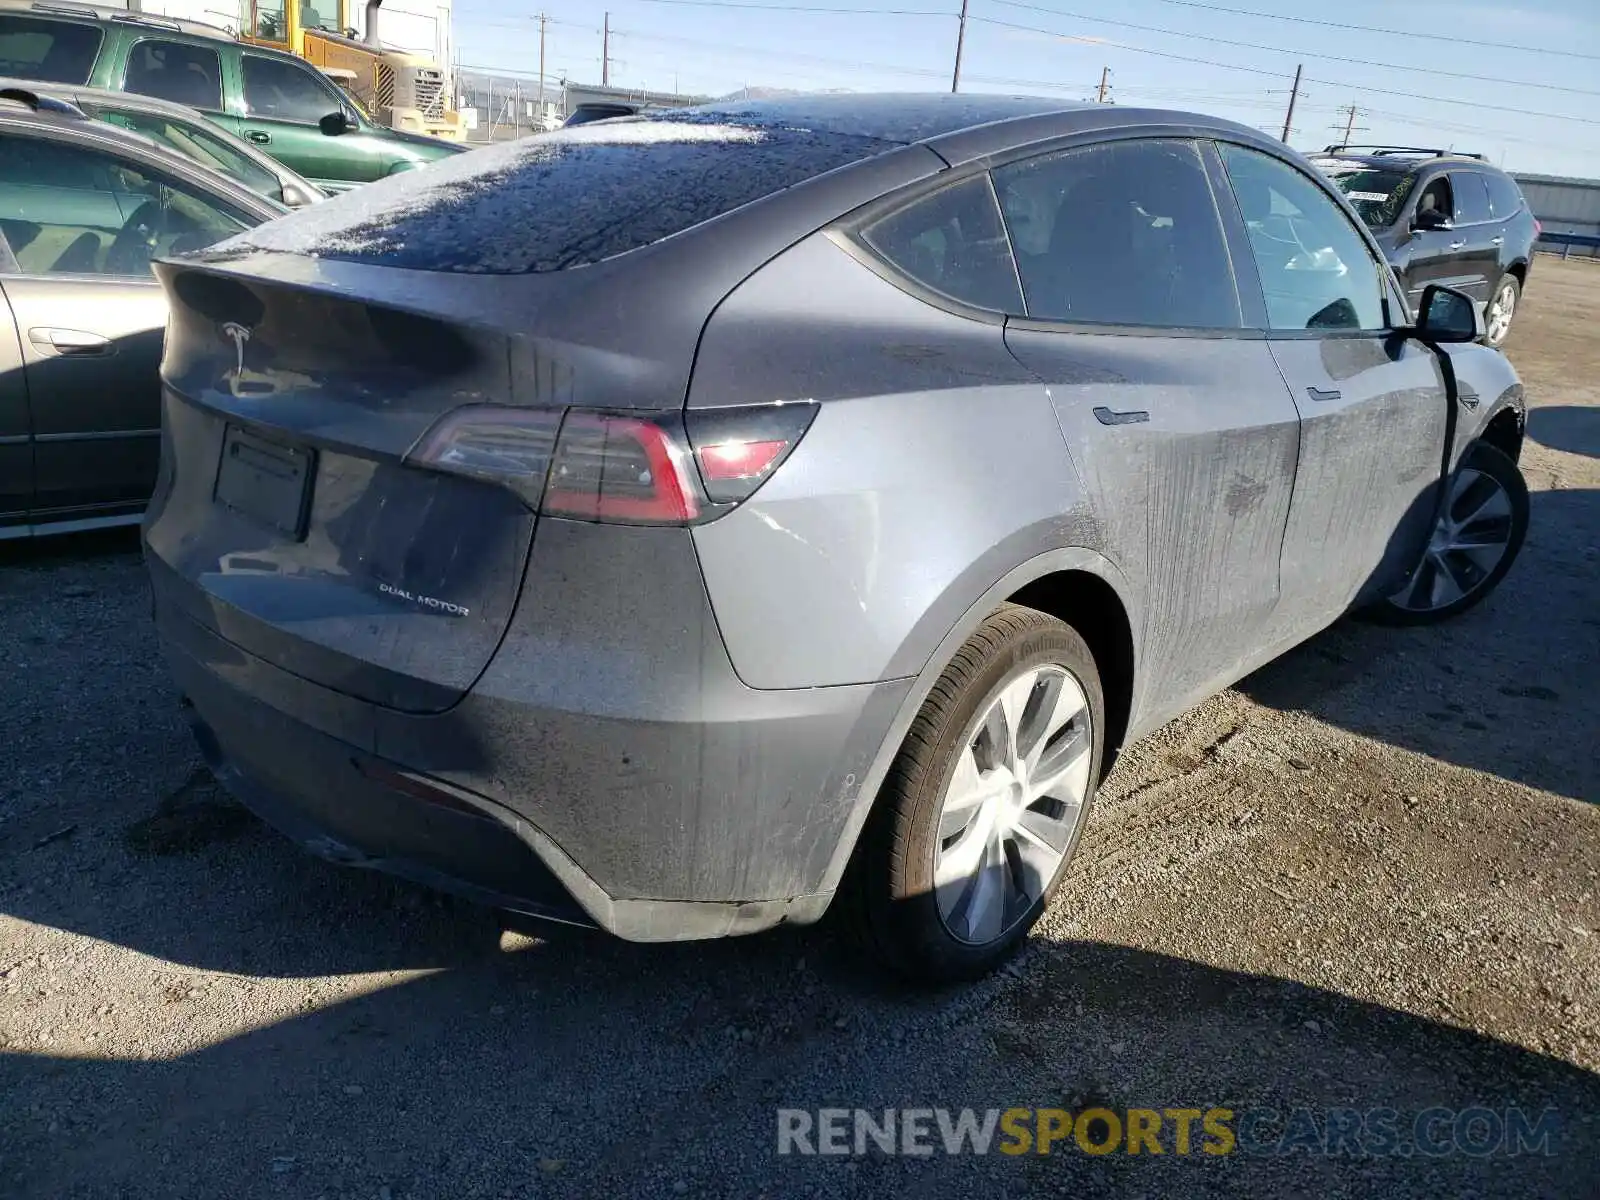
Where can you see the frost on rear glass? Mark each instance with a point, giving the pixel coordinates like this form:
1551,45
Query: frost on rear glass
562,199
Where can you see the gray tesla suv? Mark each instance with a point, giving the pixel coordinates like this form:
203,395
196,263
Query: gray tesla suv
676,524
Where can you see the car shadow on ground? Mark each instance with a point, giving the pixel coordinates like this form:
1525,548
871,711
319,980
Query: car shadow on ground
1507,688
66,548
1574,428
627,1071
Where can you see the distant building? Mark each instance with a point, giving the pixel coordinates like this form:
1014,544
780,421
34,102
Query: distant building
1564,205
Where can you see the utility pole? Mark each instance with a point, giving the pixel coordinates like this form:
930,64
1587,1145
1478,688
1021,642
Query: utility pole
1105,76
961,38
1294,94
605,53
542,21
1351,113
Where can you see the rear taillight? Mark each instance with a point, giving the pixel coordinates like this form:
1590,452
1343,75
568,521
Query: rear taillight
1538,228
614,468
738,448
628,468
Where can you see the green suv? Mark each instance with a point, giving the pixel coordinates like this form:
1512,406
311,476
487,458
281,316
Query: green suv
274,100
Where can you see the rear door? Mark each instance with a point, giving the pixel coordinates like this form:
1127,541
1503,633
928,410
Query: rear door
1373,406
1178,421
83,224
1477,257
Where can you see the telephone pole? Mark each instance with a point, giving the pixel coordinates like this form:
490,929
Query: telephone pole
1351,113
1105,76
961,38
1294,94
605,53
543,19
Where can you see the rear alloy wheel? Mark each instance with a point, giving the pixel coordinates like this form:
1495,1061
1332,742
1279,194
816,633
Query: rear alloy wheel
1502,307
1474,542
982,808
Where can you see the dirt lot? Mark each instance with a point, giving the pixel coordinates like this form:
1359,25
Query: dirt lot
1368,877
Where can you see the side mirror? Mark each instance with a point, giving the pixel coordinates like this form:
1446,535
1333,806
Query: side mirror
334,124
1431,218
1446,315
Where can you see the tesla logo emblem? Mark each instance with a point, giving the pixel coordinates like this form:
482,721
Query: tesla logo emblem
238,335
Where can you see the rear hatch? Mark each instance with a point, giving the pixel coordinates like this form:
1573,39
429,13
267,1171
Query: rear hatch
283,496
363,399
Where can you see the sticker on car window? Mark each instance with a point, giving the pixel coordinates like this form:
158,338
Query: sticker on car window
1375,197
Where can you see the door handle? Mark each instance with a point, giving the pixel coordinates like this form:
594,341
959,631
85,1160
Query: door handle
1319,394
259,136
71,343
1132,417
1497,241
1458,245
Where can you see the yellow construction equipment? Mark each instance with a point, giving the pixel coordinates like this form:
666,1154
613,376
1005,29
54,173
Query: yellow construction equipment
396,89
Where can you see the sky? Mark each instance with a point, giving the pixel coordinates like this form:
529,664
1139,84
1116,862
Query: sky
1518,83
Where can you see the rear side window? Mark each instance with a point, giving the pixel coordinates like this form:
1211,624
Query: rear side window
73,210
201,145
50,51
1472,197
1505,197
281,91
1125,233
563,199
953,242
176,71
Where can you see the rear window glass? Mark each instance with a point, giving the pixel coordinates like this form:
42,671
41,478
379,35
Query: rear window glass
50,51
562,199
176,71
953,242
1505,197
1472,197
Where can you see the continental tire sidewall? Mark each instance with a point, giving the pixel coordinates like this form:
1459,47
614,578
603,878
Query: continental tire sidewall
903,909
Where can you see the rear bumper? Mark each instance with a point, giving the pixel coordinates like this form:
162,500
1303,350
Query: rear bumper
715,814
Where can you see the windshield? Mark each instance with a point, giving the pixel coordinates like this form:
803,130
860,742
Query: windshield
1377,195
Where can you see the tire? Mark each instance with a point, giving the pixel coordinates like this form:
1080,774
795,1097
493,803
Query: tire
1503,301
1422,600
919,929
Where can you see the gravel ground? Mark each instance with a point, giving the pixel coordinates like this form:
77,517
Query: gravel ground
1367,877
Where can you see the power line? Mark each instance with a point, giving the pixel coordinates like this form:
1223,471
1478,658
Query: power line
821,60
803,8
1411,33
1362,87
1359,62
853,64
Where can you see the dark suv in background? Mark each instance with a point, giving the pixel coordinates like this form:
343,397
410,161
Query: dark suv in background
1445,218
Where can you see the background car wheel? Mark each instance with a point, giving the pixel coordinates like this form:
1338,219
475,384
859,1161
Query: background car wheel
983,806
1473,544
1501,308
